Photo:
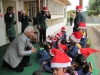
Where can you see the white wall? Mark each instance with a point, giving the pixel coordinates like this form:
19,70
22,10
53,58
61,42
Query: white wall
53,29
2,29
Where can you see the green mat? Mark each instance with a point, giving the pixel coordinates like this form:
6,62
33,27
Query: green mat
27,70
36,66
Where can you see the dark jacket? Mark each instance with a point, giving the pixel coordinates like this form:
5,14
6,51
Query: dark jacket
79,18
80,72
9,21
25,21
83,41
41,19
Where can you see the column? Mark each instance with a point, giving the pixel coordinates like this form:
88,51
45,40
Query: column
38,5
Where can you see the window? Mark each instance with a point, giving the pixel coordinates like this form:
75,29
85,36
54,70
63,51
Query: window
54,7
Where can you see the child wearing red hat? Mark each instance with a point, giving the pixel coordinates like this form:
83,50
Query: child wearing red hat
75,46
56,39
62,66
63,32
82,66
81,28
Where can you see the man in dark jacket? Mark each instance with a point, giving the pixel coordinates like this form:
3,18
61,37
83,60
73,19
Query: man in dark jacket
79,18
24,19
42,26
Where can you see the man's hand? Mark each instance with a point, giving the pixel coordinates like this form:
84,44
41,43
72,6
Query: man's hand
33,49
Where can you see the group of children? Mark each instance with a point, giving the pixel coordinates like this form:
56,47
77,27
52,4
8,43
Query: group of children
60,57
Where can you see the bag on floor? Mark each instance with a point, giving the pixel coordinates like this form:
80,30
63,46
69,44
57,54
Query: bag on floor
37,73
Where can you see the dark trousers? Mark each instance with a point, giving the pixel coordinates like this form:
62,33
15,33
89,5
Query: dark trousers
42,35
20,67
71,21
11,39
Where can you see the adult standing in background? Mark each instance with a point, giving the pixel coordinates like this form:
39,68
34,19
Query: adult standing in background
18,53
9,21
71,19
24,19
42,26
79,18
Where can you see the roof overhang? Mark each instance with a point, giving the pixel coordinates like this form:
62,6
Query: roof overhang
66,2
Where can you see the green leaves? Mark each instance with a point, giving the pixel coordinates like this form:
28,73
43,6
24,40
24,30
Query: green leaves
94,8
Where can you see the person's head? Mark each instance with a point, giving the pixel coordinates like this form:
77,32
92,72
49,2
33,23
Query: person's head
82,27
75,37
23,13
81,61
63,29
63,41
60,65
78,8
10,10
29,31
81,30
58,35
45,10
43,45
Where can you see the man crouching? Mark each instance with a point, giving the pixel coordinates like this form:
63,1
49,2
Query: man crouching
18,53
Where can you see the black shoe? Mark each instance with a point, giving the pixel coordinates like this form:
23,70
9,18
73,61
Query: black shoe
5,68
27,64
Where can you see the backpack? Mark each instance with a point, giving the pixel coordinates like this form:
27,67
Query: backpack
37,73
35,22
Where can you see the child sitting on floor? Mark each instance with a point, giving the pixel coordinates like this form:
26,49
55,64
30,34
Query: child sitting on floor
81,28
82,66
56,39
62,66
42,53
75,46
63,32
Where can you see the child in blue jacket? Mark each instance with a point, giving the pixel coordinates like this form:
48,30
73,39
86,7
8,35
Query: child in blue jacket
81,28
42,53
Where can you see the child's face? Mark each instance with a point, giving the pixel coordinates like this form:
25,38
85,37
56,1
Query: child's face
59,71
72,42
81,30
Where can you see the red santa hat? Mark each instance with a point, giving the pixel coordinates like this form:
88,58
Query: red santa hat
82,25
45,9
63,48
53,51
76,36
78,7
61,59
87,51
58,35
63,29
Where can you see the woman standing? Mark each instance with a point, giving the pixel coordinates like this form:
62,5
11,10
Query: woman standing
42,26
9,21
24,19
